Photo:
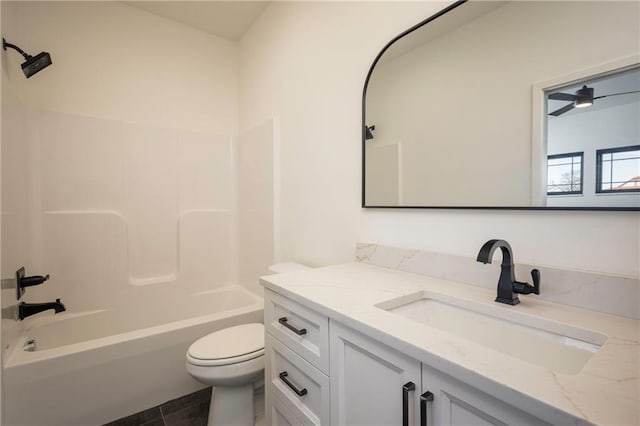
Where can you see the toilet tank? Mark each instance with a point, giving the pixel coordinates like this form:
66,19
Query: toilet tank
284,267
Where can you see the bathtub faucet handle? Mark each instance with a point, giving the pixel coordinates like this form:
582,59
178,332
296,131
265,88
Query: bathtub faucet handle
22,281
34,280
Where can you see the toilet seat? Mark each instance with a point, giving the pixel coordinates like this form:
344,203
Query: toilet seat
228,346
224,361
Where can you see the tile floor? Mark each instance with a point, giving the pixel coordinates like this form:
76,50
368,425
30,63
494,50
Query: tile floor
188,410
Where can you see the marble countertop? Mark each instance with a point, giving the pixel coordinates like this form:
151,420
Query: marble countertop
606,391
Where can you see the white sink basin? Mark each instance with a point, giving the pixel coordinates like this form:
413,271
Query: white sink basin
549,344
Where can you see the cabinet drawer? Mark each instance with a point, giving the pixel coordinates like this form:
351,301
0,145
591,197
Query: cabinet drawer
299,386
278,415
303,330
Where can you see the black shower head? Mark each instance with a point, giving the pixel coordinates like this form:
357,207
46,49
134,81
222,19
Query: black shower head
32,64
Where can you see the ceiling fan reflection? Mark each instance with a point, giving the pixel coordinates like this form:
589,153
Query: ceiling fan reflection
582,98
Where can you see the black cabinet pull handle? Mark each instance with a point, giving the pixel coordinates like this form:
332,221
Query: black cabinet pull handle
299,392
424,398
408,387
298,331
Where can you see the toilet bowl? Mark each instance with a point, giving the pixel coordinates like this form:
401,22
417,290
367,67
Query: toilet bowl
231,360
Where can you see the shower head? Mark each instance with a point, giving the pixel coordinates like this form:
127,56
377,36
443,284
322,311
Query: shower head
31,64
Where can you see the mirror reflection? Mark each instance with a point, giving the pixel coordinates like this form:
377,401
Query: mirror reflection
483,107
593,142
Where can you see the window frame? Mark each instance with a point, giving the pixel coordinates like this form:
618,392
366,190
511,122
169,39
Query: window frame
567,155
599,155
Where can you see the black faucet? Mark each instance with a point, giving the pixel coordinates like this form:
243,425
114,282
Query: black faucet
28,309
508,287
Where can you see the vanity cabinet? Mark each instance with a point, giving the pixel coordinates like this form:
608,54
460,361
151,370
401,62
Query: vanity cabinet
373,384
321,372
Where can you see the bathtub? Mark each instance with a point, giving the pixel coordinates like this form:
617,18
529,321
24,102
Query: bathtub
96,366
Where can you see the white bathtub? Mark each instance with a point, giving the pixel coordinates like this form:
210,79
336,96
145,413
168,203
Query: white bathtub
96,366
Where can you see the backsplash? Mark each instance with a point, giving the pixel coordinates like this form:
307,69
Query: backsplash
617,295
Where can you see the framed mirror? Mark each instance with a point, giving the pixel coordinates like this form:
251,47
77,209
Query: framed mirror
484,106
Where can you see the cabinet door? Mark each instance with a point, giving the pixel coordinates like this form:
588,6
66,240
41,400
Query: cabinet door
456,403
368,379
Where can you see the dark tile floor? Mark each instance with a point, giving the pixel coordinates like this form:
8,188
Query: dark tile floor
188,410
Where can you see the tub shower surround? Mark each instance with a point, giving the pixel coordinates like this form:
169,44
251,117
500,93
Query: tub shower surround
137,226
119,212
115,211
617,295
119,206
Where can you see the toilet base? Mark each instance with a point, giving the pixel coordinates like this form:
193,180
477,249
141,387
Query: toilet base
231,406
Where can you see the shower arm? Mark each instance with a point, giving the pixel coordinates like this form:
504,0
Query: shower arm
5,44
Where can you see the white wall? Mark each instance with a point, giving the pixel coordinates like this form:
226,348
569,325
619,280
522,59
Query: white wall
306,62
118,62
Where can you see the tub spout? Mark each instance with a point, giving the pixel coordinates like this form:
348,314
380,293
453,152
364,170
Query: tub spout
28,309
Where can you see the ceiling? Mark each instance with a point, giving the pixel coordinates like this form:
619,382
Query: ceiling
227,19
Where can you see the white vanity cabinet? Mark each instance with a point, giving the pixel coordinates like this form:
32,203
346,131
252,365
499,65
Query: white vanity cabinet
335,375
373,384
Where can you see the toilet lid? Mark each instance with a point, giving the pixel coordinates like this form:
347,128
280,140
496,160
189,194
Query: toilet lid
244,341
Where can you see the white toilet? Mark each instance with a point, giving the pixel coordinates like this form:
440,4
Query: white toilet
232,360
